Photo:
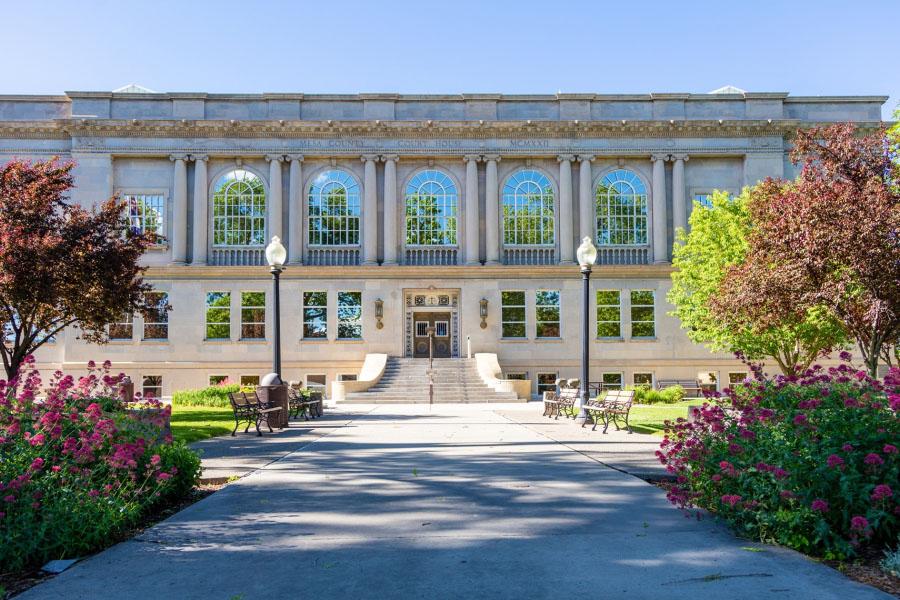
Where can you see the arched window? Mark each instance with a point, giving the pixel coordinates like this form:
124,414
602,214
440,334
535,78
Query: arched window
239,210
528,209
431,210
621,199
334,209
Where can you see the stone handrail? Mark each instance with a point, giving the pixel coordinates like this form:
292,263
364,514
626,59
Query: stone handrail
490,372
370,374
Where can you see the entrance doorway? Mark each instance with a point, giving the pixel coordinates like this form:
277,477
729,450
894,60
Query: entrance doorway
442,336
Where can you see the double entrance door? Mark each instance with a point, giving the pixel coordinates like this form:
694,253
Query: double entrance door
440,321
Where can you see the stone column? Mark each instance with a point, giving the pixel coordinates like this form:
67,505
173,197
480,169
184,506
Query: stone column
275,203
492,211
566,234
586,198
679,205
179,212
295,210
660,254
370,212
201,210
472,220
390,208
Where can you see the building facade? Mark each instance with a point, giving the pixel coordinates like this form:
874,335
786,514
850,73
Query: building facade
462,212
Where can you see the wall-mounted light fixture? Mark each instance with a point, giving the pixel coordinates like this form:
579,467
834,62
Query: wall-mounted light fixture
482,311
379,313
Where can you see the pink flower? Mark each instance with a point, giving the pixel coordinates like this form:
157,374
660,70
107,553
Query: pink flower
37,464
731,499
881,492
873,459
800,419
154,460
819,505
889,449
93,493
37,440
835,461
859,523
847,448
716,477
787,494
163,476
9,499
55,468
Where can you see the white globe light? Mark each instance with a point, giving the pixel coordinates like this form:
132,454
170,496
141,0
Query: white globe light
587,253
275,253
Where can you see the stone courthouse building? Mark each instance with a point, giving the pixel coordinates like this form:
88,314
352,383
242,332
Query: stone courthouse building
400,212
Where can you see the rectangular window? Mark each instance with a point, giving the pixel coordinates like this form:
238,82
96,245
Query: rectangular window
709,381
512,314
643,379
151,386
316,382
611,381
315,315
347,377
218,315
609,314
546,382
250,380
146,213
156,318
349,313
705,200
547,313
441,328
218,379
421,328
736,377
643,323
122,330
253,315
516,376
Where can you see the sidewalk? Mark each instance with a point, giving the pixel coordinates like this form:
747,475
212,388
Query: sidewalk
227,457
632,453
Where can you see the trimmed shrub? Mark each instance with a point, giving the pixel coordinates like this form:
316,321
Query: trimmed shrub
646,395
77,471
214,395
809,462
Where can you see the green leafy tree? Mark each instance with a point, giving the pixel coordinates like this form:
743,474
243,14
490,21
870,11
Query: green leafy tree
717,241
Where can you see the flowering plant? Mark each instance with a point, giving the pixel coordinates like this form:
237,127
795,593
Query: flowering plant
76,468
810,462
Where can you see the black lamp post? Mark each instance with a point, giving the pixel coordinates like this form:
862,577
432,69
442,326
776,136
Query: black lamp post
587,256
275,256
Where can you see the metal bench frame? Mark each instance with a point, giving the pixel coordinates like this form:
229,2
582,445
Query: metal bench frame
252,410
616,403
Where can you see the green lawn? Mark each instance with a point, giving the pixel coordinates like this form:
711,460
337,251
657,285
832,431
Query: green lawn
193,423
650,418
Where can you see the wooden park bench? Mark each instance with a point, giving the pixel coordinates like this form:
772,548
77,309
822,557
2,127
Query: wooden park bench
616,404
299,404
561,402
689,386
248,408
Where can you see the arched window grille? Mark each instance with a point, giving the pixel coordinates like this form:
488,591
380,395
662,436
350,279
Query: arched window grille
621,202
528,210
334,209
431,210
239,210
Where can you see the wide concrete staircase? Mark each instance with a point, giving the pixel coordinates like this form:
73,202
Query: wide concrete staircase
405,380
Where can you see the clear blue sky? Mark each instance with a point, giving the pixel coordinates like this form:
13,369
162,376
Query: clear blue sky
808,47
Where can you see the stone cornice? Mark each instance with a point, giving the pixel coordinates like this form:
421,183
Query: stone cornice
380,129
302,272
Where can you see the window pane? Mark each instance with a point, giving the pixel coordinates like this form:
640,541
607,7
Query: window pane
334,209
513,330
548,330
621,209
512,298
239,210
642,297
218,315
642,313
528,208
609,314
431,209
546,382
644,379
146,213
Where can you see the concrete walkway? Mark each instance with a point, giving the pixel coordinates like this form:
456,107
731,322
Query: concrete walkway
457,502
